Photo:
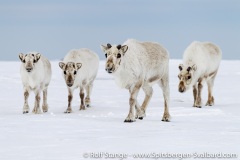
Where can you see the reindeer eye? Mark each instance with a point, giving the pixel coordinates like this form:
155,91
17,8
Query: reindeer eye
75,72
189,77
33,55
106,55
118,55
24,61
65,72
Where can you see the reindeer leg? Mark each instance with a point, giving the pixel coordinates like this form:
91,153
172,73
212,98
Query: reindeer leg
70,96
45,105
88,89
198,102
137,110
26,106
132,101
164,84
82,106
195,91
210,84
148,95
37,109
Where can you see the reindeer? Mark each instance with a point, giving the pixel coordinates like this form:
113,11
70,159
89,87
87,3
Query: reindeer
36,75
136,65
80,69
201,61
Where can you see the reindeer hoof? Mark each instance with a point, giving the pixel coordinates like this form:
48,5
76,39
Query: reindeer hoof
45,108
210,101
209,104
197,106
129,120
166,118
140,117
140,114
82,107
24,112
88,105
67,111
36,111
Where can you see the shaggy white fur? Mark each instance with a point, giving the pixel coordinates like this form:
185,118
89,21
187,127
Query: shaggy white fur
36,75
201,61
136,65
80,70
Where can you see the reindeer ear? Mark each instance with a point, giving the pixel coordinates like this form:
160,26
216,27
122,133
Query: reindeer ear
61,65
37,57
79,65
180,67
124,48
22,57
104,48
194,67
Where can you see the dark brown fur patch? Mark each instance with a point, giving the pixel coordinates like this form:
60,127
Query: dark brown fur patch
211,74
181,83
69,99
69,79
200,80
110,60
66,67
200,86
26,94
82,97
194,93
131,101
37,98
138,85
165,106
152,79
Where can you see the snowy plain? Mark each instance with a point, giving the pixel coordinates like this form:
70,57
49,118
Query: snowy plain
58,136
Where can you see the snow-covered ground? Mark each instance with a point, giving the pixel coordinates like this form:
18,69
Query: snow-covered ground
58,136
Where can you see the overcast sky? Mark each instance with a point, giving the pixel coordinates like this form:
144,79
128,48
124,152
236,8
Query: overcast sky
55,27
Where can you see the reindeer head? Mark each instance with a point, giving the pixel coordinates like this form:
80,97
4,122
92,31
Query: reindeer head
185,77
114,56
29,60
70,71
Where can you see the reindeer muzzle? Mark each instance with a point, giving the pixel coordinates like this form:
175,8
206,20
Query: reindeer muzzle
29,70
181,87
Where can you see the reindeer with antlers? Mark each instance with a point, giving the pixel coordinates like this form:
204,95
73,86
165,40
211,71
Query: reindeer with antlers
137,65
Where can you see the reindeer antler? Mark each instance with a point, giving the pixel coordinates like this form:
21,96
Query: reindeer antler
109,45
